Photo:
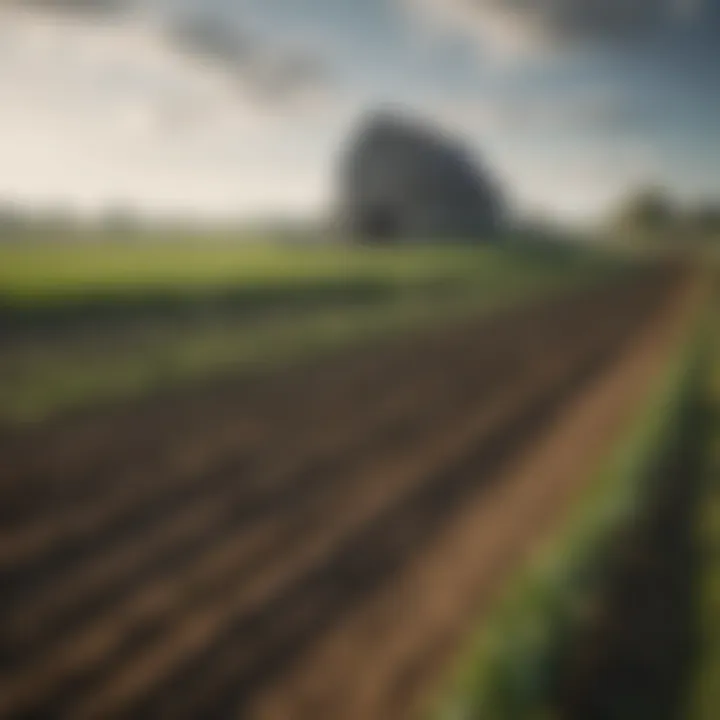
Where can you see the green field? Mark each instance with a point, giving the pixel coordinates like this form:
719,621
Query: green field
36,274
90,321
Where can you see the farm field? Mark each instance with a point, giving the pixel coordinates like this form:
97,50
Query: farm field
315,543
88,322
359,360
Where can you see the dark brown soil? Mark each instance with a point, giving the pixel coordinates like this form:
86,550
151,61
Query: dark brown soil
240,550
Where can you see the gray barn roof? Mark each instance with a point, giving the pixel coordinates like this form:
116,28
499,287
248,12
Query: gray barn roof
403,178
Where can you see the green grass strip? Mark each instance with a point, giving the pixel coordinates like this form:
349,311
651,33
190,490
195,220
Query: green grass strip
88,324
704,695
509,672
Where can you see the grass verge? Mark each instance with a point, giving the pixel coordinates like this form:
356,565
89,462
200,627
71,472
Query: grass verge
704,695
513,669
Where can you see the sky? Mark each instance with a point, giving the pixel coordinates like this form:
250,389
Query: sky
241,108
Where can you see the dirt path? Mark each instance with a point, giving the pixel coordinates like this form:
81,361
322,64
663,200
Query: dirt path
311,546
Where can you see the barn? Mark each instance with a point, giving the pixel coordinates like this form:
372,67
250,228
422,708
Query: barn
401,178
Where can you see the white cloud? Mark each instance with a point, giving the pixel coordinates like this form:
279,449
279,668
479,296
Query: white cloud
521,27
100,114
274,72
566,153
80,8
594,112
579,182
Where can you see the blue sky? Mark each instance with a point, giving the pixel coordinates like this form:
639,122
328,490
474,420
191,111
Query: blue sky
239,108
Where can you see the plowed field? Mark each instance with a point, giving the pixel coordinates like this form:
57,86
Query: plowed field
185,556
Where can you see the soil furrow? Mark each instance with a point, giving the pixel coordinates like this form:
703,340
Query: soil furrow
187,581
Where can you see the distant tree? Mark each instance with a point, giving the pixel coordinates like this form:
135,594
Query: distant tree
705,220
59,220
11,220
649,211
50,221
119,220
